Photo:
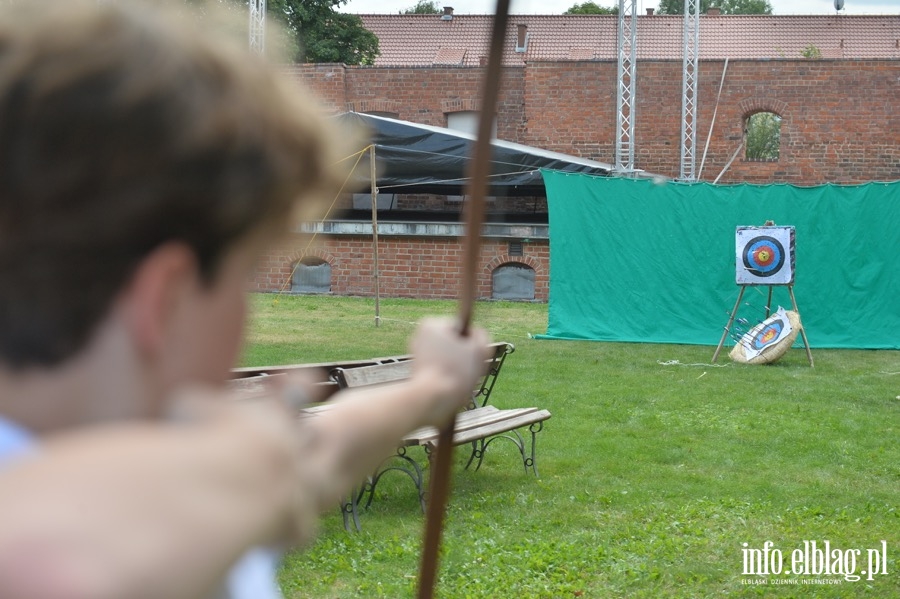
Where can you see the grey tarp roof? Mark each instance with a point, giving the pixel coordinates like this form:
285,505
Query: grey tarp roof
413,158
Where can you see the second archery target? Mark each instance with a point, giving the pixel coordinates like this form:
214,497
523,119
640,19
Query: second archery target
765,255
769,340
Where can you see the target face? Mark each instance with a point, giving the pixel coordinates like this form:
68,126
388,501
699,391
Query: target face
768,340
769,334
765,255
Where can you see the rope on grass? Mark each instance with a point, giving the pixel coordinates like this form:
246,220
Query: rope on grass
496,333
398,320
678,363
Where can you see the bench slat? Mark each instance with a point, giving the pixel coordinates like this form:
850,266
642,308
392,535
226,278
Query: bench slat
375,375
504,426
476,424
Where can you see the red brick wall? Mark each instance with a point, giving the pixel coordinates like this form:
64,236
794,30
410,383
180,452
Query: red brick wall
841,124
326,80
570,107
841,118
420,95
409,266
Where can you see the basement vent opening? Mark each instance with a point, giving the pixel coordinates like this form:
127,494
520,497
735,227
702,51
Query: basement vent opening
311,275
516,248
513,281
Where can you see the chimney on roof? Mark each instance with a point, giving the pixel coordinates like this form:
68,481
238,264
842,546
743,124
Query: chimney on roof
448,14
650,12
714,12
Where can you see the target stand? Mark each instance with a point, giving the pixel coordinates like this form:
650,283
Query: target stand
764,257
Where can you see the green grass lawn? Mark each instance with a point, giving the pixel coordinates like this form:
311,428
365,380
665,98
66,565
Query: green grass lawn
653,474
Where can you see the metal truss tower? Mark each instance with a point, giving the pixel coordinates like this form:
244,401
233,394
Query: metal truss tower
258,26
691,53
625,98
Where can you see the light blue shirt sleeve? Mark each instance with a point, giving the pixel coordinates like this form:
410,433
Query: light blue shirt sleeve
14,441
252,577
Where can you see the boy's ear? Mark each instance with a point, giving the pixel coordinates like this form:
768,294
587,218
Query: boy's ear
152,296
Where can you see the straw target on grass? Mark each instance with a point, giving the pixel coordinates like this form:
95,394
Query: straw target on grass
769,340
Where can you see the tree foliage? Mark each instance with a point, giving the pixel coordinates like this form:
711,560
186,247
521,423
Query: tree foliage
746,7
811,52
763,136
591,8
423,7
728,7
315,30
323,33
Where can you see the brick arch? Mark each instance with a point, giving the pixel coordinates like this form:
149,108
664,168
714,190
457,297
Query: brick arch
459,105
502,259
750,106
391,106
298,255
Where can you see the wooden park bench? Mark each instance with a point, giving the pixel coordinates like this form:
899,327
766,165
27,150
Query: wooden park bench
478,426
253,379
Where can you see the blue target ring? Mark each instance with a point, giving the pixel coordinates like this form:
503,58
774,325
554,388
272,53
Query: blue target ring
763,256
767,335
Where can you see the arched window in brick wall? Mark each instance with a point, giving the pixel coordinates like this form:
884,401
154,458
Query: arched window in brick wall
512,281
311,275
762,137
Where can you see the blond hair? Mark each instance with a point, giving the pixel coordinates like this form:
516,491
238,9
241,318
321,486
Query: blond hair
122,128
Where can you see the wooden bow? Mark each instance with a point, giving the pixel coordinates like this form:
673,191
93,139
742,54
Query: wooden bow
439,486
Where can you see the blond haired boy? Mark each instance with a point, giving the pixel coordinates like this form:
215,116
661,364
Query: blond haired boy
143,168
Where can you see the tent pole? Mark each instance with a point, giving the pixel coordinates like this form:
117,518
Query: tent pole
802,328
730,160
713,122
375,232
728,326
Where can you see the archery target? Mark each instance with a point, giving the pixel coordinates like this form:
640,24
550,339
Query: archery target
769,334
769,340
765,255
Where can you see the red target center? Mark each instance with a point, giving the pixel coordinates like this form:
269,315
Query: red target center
764,256
769,335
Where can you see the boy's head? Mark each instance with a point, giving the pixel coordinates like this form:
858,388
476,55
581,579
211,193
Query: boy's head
122,131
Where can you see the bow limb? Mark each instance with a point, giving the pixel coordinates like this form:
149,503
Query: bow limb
439,484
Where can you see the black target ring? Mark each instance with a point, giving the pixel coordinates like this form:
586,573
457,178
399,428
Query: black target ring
763,256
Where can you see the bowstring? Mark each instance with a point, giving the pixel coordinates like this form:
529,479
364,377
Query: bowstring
315,234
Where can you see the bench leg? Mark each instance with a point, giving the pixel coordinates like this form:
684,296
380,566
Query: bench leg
516,440
529,460
411,469
477,452
532,461
349,508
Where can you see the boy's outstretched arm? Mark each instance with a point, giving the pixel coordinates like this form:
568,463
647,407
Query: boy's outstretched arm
365,425
147,511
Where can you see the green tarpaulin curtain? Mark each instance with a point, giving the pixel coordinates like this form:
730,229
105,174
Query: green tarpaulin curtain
642,261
